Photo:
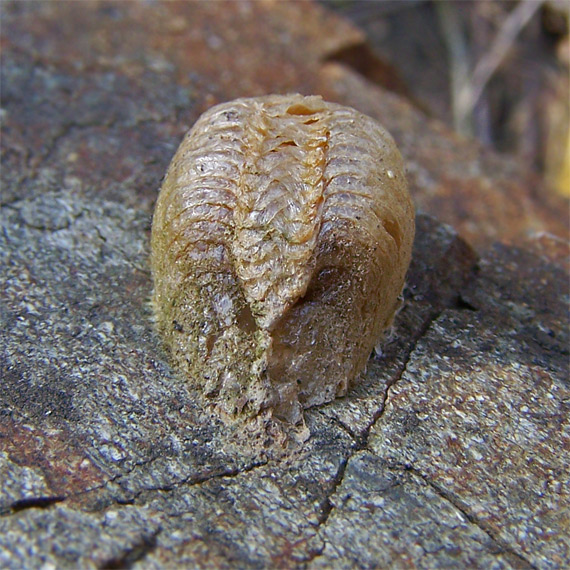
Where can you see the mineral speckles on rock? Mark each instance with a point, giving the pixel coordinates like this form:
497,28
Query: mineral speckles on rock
280,243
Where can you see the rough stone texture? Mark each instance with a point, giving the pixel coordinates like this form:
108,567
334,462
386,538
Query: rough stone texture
452,451
480,416
107,461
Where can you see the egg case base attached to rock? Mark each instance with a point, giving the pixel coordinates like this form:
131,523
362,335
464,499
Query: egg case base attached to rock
280,243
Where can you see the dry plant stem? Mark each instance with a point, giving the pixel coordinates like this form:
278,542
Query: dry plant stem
454,37
467,92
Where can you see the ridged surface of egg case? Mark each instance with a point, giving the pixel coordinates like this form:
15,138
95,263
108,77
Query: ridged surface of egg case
280,242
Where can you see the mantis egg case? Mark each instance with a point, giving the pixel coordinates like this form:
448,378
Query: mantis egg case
280,243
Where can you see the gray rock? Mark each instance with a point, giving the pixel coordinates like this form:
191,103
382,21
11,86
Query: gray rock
451,452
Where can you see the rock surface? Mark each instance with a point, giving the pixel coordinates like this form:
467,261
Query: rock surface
97,96
453,450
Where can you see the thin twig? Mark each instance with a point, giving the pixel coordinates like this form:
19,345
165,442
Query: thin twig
489,62
459,64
